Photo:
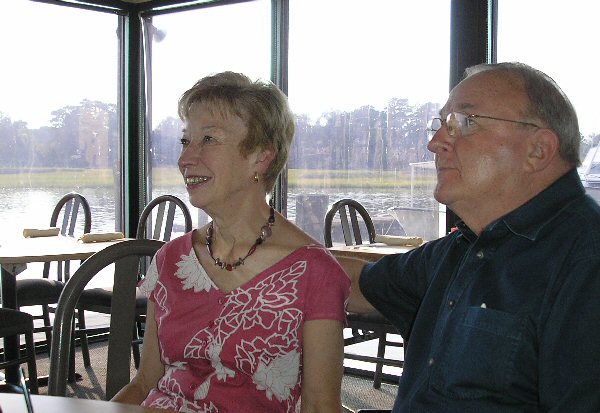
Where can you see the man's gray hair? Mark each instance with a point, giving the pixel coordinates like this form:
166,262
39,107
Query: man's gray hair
547,102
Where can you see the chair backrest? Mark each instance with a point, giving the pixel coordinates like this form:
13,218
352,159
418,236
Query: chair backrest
163,223
68,210
126,255
348,208
69,205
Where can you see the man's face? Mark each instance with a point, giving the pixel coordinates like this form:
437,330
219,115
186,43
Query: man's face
479,171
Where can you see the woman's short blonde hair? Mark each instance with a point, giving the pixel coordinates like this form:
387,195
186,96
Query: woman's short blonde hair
260,104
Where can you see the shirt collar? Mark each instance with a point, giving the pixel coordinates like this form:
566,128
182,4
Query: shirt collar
530,218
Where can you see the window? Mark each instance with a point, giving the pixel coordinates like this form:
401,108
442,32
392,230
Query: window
58,113
557,48
363,83
186,47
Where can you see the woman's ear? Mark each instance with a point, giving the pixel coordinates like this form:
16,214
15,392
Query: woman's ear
264,159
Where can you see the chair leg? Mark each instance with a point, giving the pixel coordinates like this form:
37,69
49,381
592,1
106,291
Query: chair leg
83,339
31,366
135,347
379,365
47,327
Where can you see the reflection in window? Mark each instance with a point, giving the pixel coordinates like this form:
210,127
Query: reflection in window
188,46
363,82
58,113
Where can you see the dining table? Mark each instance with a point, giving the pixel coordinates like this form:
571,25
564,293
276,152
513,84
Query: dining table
369,252
16,253
15,403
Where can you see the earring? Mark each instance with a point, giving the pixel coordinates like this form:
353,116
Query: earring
256,179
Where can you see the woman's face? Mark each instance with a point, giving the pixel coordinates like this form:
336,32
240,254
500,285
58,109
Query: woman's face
216,175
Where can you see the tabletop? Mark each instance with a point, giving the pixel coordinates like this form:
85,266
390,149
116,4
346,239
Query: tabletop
368,252
47,249
15,255
15,403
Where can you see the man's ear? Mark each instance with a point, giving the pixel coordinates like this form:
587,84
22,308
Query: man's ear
542,149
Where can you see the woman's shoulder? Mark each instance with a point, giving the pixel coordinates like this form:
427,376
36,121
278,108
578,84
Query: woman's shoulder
180,245
182,240
315,258
292,236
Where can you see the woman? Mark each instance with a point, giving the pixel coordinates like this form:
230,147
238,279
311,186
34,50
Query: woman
245,314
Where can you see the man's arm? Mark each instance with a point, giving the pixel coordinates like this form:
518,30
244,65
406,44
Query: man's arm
353,267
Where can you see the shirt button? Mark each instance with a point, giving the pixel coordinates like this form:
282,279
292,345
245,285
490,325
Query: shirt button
431,362
451,303
221,300
479,254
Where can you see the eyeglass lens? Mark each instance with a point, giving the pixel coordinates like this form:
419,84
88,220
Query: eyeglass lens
455,121
434,125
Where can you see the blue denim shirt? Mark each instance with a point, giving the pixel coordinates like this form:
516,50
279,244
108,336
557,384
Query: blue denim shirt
505,322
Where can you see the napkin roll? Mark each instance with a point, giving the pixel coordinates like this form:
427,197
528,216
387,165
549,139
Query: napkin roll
406,241
101,236
46,232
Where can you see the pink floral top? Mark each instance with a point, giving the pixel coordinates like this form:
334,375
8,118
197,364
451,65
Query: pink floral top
239,351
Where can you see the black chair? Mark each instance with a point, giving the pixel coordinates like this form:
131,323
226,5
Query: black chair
158,221
351,229
162,227
45,291
18,323
127,256
365,327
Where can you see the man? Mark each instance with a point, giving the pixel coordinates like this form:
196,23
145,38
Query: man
503,314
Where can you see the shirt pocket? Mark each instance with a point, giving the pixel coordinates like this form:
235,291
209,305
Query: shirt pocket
479,358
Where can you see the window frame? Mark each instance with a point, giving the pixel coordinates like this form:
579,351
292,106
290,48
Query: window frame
472,22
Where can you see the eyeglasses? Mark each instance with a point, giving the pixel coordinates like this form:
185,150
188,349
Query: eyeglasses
463,123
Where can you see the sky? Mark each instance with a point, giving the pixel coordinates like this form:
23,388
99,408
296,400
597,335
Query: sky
33,79
407,60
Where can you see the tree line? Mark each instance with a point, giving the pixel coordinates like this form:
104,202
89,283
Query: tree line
86,136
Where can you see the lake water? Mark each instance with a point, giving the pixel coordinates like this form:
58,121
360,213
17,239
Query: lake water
32,207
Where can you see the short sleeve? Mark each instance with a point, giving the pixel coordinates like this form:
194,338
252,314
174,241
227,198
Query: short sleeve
395,285
147,284
328,288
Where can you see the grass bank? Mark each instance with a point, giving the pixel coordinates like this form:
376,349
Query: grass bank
297,178
49,178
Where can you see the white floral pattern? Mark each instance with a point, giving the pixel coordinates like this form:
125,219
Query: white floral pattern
247,342
273,362
188,272
150,279
277,378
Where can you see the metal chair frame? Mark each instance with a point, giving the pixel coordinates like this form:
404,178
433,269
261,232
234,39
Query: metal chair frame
18,323
364,327
161,229
352,234
126,255
69,206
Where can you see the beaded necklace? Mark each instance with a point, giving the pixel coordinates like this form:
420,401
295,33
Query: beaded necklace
265,232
